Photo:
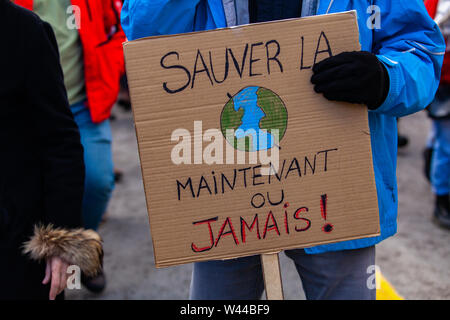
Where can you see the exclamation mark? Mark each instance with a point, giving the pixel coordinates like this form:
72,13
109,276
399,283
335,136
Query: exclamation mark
328,227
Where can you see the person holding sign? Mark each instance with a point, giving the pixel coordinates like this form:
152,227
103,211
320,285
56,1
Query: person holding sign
396,74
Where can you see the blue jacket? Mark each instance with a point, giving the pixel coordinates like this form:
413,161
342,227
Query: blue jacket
408,42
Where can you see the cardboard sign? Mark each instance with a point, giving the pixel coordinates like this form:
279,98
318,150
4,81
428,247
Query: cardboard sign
239,155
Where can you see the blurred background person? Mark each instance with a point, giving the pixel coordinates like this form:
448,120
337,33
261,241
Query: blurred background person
42,170
89,38
437,153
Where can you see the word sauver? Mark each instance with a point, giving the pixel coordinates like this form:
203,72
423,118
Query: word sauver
251,55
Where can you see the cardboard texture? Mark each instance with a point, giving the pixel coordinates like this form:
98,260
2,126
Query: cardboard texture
201,205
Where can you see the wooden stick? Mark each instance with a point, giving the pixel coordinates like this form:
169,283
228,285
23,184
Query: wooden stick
272,276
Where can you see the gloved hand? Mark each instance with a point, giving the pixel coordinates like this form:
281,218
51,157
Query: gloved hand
356,77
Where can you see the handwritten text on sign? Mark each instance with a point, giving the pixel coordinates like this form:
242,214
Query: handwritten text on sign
252,54
248,177
305,177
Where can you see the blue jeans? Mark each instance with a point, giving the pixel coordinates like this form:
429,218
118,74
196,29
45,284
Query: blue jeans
96,139
331,275
440,163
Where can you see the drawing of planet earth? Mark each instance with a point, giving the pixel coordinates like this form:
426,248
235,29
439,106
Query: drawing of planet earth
251,119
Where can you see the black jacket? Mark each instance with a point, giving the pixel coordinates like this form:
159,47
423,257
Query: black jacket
41,160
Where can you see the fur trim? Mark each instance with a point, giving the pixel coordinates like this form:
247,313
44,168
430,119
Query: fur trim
77,246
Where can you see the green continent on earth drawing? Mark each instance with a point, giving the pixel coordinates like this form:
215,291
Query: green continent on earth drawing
255,115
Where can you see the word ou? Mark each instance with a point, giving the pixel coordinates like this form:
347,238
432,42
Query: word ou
74,281
73,21
373,282
374,21
214,153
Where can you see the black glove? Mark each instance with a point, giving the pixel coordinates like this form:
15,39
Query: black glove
356,77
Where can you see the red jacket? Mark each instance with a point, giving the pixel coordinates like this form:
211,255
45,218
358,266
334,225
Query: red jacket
431,6
101,38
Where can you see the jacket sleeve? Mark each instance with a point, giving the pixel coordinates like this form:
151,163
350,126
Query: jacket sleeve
412,49
143,18
60,150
